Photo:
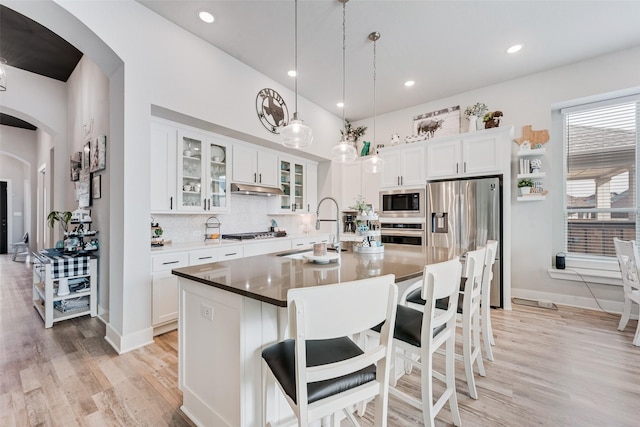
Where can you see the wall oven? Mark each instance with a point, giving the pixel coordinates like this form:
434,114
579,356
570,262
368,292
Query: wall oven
403,233
402,203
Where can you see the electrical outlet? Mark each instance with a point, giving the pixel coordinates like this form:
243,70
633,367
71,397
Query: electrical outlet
206,312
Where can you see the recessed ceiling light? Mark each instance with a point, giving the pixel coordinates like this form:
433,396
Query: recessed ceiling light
515,48
292,73
340,104
206,16
409,83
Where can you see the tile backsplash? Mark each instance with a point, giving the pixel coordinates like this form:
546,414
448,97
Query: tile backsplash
246,214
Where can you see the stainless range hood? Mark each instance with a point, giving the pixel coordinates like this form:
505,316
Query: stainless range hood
256,190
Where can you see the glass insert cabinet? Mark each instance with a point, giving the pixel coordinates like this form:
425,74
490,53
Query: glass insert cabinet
202,173
292,184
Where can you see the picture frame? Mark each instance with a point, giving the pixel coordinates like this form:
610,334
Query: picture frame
75,165
96,186
83,189
86,155
437,123
98,153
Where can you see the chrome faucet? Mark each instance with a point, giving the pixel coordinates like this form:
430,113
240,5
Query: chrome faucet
336,244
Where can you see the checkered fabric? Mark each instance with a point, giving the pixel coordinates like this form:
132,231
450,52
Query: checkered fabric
69,266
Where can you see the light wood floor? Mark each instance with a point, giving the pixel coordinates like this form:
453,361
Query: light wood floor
568,367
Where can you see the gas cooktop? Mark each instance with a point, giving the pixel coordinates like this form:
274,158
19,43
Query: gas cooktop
255,235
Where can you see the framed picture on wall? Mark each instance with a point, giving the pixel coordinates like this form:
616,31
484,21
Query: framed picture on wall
86,156
98,153
75,165
96,184
438,123
83,189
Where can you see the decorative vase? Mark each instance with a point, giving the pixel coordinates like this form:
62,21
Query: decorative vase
479,123
353,141
472,123
525,190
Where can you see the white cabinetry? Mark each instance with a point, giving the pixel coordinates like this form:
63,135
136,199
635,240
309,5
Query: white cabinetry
299,182
164,285
403,166
307,241
311,187
355,182
251,166
473,154
202,172
53,307
163,167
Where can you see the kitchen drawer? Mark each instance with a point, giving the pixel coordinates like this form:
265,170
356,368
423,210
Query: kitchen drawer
230,252
304,242
203,256
267,247
166,262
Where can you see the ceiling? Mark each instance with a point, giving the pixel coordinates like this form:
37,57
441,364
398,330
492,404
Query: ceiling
447,47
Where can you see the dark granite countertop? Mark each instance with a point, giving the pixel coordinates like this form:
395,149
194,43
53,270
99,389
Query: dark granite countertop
268,277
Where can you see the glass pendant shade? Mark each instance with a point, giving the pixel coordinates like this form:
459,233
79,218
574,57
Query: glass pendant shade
343,152
3,75
374,164
296,134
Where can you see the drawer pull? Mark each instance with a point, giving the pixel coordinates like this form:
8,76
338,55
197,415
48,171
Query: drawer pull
233,253
299,244
170,262
205,257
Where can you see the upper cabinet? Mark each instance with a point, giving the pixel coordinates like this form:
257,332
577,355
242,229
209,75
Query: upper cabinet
472,154
354,182
202,172
251,166
163,167
299,182
403,166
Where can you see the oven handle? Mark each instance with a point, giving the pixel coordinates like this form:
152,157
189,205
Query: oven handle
389,232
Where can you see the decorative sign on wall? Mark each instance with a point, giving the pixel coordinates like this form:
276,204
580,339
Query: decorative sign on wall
86,156
437,123
75,165
83,189
96,186
272,110
98,151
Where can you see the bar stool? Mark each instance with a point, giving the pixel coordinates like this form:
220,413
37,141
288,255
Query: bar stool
320,369
418,335
468,309
485,301
21,249
628,259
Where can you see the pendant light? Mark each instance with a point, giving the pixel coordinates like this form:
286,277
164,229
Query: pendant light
343,152
3,75
296,134
374,164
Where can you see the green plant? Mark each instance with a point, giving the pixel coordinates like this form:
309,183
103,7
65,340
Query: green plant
62,217
360,204
350,131
525,182
478,109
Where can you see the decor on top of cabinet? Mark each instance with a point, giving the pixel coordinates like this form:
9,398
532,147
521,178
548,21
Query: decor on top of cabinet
437,123
365,148
395,139
352,133
532,139
492,119
474,114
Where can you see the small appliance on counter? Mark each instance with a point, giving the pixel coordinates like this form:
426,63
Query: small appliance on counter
349,223
255,235
156,234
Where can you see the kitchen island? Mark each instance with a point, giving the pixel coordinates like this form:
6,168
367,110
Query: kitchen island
229,311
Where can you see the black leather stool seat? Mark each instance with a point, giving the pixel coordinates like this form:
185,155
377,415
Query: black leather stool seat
281,360
441,304
409,326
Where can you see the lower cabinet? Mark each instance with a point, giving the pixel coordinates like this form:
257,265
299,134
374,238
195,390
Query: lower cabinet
165,298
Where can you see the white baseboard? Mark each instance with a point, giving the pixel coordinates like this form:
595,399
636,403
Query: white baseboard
123,344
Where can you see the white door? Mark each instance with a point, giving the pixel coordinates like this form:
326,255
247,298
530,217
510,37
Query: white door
481,155
163,167
443,159
412,166
391,172
267,168
245,164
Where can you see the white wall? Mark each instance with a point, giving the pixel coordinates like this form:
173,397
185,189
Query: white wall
530,100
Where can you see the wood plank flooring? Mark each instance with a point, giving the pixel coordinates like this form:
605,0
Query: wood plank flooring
569,367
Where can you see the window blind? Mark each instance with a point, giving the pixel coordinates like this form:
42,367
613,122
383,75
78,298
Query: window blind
601,143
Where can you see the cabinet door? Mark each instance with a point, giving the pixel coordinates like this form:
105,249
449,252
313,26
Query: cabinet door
218,186
165,298
391,172
412,166
311,187
245,164
267,168
480,155
286,178
163,167
443,159
350,185
191,171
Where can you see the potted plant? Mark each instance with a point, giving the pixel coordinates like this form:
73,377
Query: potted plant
62,218
352,134
473,113
525,186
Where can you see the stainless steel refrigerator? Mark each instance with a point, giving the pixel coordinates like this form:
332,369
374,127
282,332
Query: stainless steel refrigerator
463,214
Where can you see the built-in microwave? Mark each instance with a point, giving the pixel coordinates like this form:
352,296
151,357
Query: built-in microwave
402,203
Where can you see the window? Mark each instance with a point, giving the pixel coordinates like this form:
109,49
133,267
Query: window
601,143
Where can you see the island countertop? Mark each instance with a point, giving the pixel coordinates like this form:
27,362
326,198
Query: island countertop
269,277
